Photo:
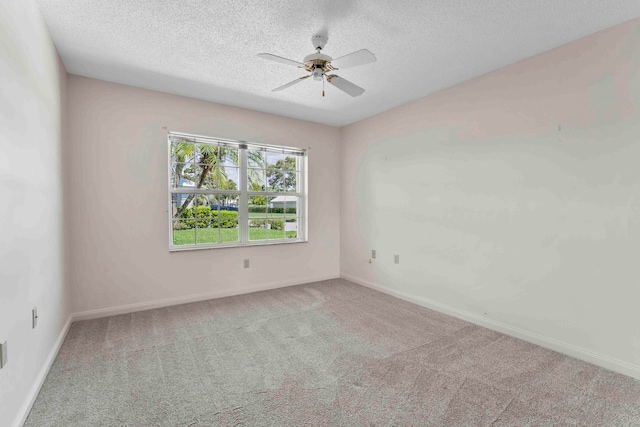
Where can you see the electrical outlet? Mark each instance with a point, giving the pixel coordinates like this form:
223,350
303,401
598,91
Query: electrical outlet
373,254
246,263
3,354
34,317
396,259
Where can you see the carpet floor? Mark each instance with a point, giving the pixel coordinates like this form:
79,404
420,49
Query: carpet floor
322,354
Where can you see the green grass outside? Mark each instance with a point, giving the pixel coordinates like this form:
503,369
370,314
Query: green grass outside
271,215
210,235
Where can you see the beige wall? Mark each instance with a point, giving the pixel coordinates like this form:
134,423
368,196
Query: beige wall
513,199
32,110
117,169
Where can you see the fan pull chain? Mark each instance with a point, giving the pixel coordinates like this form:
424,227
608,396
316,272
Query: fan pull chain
323,86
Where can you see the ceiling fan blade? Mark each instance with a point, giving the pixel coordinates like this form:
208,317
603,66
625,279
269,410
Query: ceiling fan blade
345,85
296,81
360,57
280,59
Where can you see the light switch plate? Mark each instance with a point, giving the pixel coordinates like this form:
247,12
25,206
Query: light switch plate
3,354
34,317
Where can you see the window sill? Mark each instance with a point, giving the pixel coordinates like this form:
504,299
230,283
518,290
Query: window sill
235,245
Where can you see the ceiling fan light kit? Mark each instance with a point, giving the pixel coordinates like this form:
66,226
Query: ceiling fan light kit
319,64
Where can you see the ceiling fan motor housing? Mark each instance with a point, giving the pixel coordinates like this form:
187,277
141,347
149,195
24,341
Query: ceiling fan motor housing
319,41
317,60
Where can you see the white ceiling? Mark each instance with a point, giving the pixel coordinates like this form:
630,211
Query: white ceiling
207,49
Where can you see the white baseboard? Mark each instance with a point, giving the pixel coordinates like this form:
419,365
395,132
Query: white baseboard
166,302
35,389
597,359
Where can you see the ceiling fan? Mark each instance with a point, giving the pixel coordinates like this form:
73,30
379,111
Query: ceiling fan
318,64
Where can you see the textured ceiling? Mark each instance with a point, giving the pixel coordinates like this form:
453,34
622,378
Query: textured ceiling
207,49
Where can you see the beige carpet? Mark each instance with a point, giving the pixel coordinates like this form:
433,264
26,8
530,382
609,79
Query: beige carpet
327,353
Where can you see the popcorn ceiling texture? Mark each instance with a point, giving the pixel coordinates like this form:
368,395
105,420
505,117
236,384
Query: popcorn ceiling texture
322,354
207,49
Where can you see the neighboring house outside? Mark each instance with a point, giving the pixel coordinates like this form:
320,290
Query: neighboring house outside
288,202
280,201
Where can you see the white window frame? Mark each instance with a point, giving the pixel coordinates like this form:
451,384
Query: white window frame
243,193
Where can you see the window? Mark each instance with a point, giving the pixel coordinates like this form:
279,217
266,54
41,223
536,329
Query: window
226,193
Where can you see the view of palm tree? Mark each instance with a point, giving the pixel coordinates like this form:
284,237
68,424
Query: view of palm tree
212,216
203,166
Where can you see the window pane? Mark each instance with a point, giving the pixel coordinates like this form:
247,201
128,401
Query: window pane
290,163
205,219
275,179
256,159
225,219
182,152
291,181
256,180
206,235
228,202
291,228
257,206
206,176
275,159
267,208
275,228
258,228
202,213
291,206
183,233
229,230
228,156
179,175
181,204
189,175
273,207
173,155
209,173
206,153
231,174
182,175
214,203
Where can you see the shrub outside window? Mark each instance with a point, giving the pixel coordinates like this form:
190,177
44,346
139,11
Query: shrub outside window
225,193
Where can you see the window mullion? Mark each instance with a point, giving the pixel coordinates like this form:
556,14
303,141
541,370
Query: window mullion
243,202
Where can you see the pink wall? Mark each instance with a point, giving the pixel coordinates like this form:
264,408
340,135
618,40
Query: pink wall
512,199
117,175
32,257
